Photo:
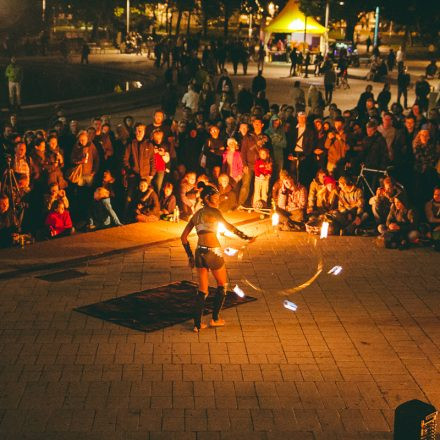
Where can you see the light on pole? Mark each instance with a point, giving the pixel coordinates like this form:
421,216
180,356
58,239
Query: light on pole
327,19
128,17
43,10
376,26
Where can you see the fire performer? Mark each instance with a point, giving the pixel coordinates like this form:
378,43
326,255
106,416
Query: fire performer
208,255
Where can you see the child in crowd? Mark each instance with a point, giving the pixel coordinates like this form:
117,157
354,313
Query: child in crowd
263,173
167,201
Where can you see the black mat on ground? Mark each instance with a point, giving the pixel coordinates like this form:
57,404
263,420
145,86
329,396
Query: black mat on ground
62,276
156,308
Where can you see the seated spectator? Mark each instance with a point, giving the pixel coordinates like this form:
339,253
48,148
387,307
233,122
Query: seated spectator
291,203
188,195
102,214
316,185
381,202
326,197
401,225
167,201
228,198
55,193
351,214
232,162
8,228
432,213
146,203
58,221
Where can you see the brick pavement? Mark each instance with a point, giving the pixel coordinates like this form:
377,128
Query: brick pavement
359,344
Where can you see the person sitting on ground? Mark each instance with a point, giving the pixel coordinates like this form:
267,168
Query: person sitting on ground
188,195
58,221
351,214
432,213
55,193
401,225
316,185
146,203
326,198
291,203
8,229
228,198
102,214
167,201
382,201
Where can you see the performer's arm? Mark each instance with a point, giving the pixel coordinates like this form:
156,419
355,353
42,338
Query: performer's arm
233,229
185,242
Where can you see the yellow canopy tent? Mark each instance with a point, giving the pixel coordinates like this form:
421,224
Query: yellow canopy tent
292,20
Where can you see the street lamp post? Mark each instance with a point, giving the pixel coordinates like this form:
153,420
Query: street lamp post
128,17
376,26
327,19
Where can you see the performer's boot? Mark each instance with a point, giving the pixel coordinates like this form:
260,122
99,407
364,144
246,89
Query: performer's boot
199,308
219,299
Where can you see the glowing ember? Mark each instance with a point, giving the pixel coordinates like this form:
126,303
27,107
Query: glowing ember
275,219
230,252
238,291
324,230
290,305
336,270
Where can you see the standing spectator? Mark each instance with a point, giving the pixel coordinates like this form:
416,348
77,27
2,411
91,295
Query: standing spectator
293,60
336,145
261,57
298,97
169,100
191,99
400,58
329,83
85,52
278,140
250,147
315,102
245,100
362,102
263,171
138,161
368,43
161,157
258,83
384,98
391,60
232,162
14,75
403,82
86,154
306,64
422,89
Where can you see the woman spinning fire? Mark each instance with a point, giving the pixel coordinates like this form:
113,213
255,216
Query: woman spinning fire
209,255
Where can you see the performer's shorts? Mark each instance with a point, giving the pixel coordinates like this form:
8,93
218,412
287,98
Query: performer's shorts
209,258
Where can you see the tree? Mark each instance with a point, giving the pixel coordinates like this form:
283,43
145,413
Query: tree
209,10
349,11
228,7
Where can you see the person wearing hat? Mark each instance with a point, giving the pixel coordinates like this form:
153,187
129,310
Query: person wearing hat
208,255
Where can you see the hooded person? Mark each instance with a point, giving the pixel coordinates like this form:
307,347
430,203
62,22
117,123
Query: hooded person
315,101
277,136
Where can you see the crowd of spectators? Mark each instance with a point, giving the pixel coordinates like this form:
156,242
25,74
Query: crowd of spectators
258,154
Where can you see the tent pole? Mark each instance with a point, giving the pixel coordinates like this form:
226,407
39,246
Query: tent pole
327,18
305,32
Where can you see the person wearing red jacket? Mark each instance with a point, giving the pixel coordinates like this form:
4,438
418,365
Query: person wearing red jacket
58,220
263,171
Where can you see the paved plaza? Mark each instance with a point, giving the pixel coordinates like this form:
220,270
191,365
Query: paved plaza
359,344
